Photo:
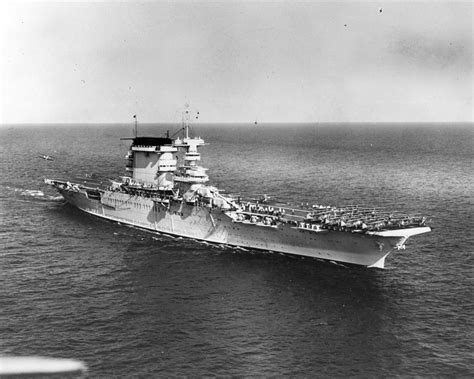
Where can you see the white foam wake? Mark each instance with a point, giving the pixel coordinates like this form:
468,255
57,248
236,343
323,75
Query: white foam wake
38,194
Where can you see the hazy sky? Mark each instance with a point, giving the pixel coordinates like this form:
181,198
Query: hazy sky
236,61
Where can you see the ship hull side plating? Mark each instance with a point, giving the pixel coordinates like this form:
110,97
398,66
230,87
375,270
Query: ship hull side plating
216,226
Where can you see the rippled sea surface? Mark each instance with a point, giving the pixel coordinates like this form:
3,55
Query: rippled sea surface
129,302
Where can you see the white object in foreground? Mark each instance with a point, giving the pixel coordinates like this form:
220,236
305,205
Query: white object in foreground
24,367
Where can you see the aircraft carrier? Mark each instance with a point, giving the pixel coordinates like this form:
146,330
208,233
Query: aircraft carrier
165,190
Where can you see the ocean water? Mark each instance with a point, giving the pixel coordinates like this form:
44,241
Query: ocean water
132,303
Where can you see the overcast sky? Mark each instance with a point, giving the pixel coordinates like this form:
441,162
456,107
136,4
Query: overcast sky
236,61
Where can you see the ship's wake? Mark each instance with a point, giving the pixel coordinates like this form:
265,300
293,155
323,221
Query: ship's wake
34,194
40,195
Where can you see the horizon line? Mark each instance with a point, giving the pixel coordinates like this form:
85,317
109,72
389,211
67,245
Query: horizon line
236,122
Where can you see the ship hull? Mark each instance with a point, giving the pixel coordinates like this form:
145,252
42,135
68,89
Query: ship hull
218,226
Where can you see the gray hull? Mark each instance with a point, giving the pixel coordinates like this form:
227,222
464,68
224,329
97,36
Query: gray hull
218,226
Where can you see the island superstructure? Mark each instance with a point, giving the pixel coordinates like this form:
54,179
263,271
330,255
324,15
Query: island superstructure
165,190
